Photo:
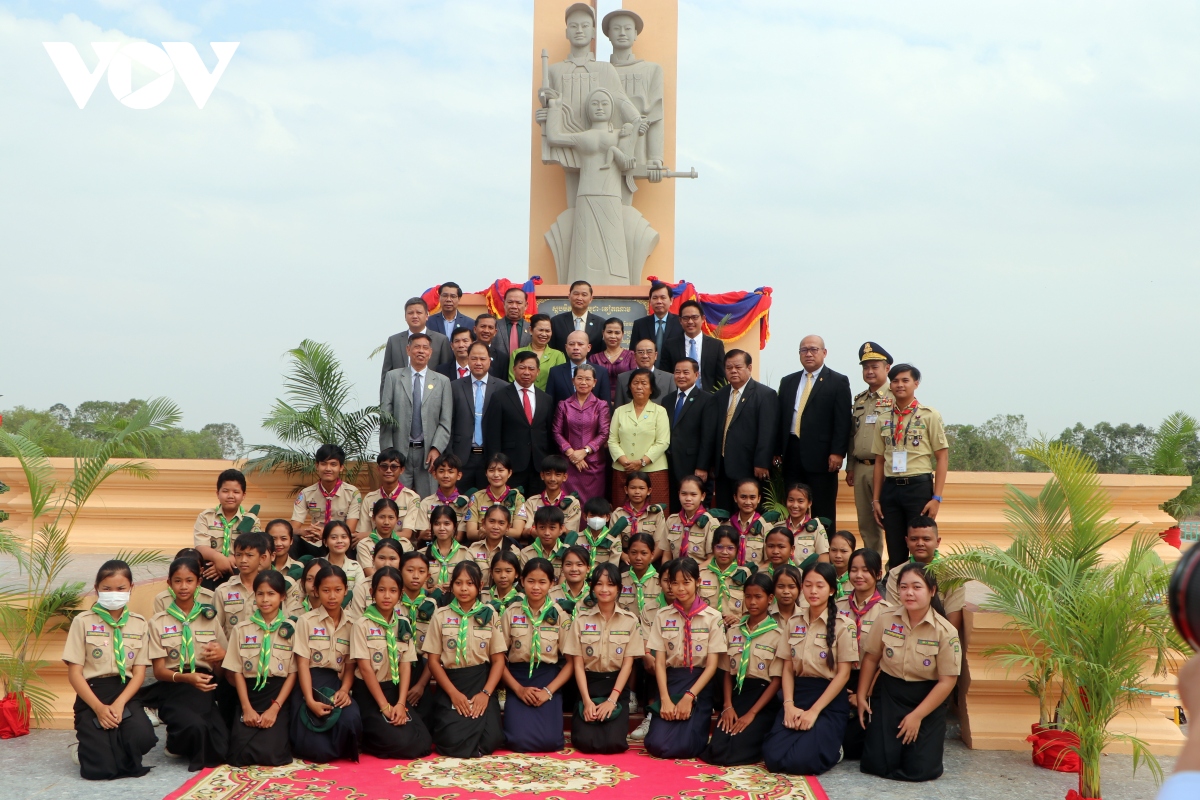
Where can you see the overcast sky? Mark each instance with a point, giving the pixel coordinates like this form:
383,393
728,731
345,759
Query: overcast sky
1004,194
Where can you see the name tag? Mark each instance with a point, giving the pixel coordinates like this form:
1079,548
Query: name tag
899,461
871,418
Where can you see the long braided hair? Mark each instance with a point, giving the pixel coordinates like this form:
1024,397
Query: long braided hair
829,575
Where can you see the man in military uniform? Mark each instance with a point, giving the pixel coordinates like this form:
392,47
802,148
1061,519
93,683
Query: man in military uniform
876,399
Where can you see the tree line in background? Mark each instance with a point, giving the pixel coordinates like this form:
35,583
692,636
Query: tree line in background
59,431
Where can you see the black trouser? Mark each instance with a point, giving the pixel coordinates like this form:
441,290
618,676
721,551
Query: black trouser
474,473
529,480
824,484
902,501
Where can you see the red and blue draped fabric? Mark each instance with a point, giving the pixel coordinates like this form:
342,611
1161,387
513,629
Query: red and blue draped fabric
493,296
733,314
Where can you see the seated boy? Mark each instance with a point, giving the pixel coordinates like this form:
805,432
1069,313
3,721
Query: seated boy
923,541
390,463
329,499
554,475
447,471
235,597
204,597
548,524
216,528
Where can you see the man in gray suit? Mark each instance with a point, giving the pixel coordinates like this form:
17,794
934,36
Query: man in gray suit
395,353
466,430
645,353
418,399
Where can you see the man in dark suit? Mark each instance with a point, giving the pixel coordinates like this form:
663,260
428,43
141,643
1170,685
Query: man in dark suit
395,352
460,342
578,319
512,331
449,319
466,425
814,427
517,422
693,428
646,357
660,324
561,382
706,351
485,332
746,414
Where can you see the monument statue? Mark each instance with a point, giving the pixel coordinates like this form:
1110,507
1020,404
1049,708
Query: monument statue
643,85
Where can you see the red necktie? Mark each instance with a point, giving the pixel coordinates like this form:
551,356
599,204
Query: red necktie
462,372
514,336
528,407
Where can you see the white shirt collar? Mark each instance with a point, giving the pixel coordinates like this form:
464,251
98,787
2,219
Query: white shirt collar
420,373
663,318
697,338
816,374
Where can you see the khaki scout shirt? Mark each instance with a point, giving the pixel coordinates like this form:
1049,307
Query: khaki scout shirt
604,644
754,538
365,557
710,588
708,636
923,434
652,521
605,548
325,645
90,643
533,551
368,642
806,542
861,628
353,570
482,555
245,644
518,631
921,652
867,408
204,597
234,604
166,636
699,539
765,651
953,594
481,502
346,504
573,512
417,520
808,644
436,580
406,501
651,597
209,532
483,641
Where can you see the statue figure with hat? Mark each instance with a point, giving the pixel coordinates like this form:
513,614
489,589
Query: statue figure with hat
643,85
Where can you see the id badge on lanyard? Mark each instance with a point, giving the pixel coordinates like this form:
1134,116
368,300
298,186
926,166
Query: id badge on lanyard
899,461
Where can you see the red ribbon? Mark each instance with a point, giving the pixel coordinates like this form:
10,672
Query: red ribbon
698,605
329,498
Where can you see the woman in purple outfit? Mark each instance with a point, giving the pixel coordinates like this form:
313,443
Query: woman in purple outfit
581,431
615,359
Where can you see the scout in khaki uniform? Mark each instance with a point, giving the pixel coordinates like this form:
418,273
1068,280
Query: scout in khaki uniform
205,597
572,592
571,507
187,645
418,520
384,648
217,527
922,541
329,499
550,542
535,670
235,597
605,642
689,533
644,517
861,606
751,526
384,524
751,679
106,656
390,463
688,640
807,736
640,593
920,656
602,542
466,647
722,578
911,474
264,672
279,531
505,571
444,552
499,470
868,407
495,528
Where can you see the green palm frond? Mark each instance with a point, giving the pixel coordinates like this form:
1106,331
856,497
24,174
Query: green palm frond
775,493
39,475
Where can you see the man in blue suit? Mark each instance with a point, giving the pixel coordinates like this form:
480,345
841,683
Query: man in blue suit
561,381
444,323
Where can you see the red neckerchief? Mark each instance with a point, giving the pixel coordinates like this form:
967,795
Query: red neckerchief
634,517
788,523
399,489
444,500
698,605
687,525
493,498
858,614
329,497
546,499
737,525
897,436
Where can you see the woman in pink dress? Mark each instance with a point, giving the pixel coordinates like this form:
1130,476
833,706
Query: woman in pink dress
615,359
581,431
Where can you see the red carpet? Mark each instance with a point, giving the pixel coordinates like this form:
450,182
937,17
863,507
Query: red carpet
566,775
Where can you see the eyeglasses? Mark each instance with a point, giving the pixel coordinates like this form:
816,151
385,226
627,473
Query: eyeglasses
724,547
810,350
691,317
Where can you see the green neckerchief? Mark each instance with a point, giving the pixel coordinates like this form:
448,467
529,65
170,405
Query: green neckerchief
187,648
390,629
118,637
537,545
460,644
501,602
791,562
411,607
722,586
264,649
227,525
640,585
576,599
765,626
594,544
937,556
444,563
843,586
307,606
535,643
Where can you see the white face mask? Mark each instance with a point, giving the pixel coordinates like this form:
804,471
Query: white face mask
596,523
111,601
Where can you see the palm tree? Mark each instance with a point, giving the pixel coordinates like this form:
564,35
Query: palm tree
41,604
315,413
1174,445
1084,624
